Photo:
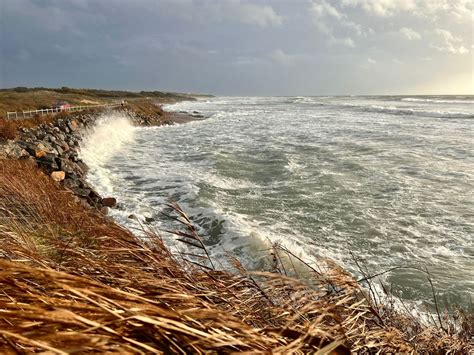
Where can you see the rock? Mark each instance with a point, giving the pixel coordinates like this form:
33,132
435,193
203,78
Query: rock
37,150
149,219
71,183
94,197
58,175
81,165
48,162
72,125
81,192
132,216
64,146
109,202
40,154
61,137
67,166
52,139
59,150
12,150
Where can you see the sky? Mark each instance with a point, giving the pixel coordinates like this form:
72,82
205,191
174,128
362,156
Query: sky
240,47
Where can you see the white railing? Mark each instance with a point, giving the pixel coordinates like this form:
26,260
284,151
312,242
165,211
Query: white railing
46,111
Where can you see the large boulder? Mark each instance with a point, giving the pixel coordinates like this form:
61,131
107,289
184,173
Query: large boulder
12,150
38,149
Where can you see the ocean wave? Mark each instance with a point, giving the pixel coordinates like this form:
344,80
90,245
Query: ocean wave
102,142
304,100
407,111
440,101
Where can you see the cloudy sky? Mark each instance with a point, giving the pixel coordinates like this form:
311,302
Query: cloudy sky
240,47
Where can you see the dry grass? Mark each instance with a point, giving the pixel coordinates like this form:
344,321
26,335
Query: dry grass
145,107
32,100
72,281
23,99
9,128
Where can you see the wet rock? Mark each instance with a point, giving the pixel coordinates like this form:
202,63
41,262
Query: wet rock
81,165
81,192
149,219
67,166
71,182
94,197
72,125
109,202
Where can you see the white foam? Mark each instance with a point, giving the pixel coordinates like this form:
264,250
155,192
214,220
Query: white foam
110,134
440,101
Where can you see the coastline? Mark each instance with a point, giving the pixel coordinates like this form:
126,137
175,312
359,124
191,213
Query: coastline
54,146
101,276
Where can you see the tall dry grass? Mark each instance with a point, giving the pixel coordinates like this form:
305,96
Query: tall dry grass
72,281
9,129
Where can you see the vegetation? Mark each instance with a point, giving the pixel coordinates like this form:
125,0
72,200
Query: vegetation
22,98
73,281
9,128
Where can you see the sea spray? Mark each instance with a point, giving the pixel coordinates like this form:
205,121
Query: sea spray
112,132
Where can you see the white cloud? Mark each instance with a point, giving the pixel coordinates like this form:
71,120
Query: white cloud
382,7
260,15
461,10
447,42
322,9
346,41
222,11
325,16
410,33
371,61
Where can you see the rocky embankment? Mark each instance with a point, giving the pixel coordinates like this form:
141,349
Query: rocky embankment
54,147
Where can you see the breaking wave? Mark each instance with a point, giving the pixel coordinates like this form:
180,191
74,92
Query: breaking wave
102,142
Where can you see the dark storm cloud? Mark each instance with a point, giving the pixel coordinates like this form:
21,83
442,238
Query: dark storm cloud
239,47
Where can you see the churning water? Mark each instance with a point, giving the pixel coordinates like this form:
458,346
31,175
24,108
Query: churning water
388,181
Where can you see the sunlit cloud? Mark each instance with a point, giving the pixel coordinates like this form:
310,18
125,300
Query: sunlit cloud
448,43
410,33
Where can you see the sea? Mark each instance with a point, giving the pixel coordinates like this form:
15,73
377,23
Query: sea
378,184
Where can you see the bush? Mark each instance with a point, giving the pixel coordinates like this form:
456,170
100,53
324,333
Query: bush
8,129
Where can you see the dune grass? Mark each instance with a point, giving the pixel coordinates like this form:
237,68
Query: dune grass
73,281
22,98
9,129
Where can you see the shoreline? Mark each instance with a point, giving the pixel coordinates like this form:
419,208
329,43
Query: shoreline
54,146
104,289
